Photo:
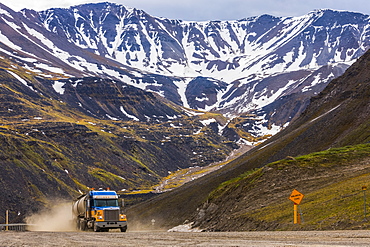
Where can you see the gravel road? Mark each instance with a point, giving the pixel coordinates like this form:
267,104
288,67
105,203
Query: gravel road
137,239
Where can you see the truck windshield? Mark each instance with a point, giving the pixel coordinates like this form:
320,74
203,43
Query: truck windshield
106,203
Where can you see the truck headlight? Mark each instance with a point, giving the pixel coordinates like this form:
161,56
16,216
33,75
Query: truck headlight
100,217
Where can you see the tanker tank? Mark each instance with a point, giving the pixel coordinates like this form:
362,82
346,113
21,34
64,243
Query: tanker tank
79,207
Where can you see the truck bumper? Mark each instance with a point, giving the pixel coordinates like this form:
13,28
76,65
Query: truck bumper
111,224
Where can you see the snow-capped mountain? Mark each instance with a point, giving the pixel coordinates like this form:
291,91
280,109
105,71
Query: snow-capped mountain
266,66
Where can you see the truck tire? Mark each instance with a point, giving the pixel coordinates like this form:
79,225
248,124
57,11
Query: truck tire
82,225
123,229
96,228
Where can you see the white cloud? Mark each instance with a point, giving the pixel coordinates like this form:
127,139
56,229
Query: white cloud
44,4
209,9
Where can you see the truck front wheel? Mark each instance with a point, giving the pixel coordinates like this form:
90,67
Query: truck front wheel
124,229
96,228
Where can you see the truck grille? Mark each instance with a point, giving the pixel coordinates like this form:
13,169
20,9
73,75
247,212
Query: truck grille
111,215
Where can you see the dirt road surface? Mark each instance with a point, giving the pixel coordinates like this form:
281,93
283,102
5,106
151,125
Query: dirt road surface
138,239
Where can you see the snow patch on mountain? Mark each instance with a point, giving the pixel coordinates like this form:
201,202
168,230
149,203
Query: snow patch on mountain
24,82
59,87
128,115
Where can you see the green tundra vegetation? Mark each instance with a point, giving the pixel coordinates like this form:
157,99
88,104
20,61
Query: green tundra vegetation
331,181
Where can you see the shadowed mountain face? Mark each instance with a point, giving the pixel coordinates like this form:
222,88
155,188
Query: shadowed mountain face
59,137
337,117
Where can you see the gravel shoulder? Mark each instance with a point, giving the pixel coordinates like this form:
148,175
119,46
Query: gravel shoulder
258,239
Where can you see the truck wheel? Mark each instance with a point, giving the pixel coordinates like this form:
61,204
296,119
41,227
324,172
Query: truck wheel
96,228
124,229
82,225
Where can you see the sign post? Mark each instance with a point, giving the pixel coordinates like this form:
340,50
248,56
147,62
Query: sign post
295,214
296,197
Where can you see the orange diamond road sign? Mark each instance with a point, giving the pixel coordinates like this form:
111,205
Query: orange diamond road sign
296,197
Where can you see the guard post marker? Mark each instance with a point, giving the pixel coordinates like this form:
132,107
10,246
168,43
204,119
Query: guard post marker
7,220
364,188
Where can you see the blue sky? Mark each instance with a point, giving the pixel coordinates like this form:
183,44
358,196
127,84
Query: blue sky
200,10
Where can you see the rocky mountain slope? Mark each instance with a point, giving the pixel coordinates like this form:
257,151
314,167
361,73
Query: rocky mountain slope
57,143
251,193
252,65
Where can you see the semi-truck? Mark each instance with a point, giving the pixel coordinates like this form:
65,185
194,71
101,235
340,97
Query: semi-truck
99,210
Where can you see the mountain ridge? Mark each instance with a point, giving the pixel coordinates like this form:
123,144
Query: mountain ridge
234,60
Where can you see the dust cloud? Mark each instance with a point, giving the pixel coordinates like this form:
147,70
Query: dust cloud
55,219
